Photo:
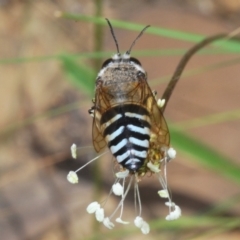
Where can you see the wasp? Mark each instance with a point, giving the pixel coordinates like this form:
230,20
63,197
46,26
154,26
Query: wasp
126,116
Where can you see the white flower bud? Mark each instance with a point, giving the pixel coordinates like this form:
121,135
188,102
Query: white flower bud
145,228
117,189
171,153
93,207
119,220
107,223
174,214
138,222
122,174
153,168
72,177
161,102
99,214
163,193
74,150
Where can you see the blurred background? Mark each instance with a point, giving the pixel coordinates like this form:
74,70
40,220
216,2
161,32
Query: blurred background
47,67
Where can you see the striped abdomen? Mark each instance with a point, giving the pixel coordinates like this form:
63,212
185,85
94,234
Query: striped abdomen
127,133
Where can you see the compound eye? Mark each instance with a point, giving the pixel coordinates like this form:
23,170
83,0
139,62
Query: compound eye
141,74
132,59
106,62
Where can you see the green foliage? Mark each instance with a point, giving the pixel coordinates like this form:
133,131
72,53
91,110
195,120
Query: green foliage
204,155
81,75
232,46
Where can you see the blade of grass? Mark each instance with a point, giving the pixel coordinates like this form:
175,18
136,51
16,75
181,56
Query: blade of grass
209,120
205,155
96,168
80,75
9,129
224,206
221,228
100,55
190,223
164,32
194,222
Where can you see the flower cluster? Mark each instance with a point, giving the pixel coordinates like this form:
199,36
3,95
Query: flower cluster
119,190
124,181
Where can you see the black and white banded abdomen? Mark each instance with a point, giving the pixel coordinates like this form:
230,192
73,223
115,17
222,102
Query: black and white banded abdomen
127,133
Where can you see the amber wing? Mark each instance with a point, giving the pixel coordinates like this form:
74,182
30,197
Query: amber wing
101,105
159,126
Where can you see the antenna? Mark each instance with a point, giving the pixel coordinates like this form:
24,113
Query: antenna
139,35
113,35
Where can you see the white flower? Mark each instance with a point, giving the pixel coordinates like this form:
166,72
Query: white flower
99,214
122,174
117,189
173,215
153,168
107,223
93,207
145,228
119,220
160,102
72,177
171,153
138,222
143,225
74,150
163,193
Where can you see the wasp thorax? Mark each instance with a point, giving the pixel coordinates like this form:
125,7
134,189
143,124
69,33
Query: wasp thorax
120,75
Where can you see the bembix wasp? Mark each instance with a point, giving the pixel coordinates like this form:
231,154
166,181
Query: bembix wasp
126,116
128,119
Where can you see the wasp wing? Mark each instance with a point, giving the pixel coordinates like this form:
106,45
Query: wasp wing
99,142
158,124
101,105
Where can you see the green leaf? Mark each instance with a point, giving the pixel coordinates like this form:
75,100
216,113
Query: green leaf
82,76
205,155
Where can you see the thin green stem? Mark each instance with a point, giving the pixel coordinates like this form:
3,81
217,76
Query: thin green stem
98,44
103,54
11,128
209,120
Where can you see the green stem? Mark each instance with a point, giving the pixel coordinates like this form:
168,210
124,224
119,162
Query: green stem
98,43
98,35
